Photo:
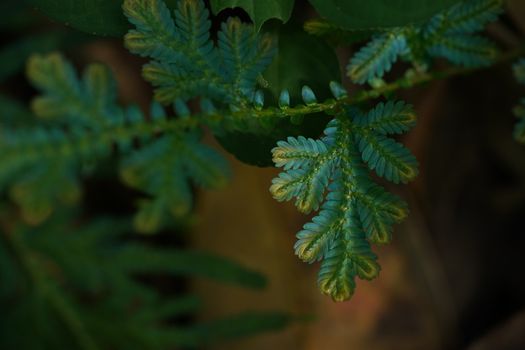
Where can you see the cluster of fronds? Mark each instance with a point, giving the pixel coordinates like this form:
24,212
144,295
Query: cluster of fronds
85,126
83,123
186,63
332,175
519,111
72,295
450,35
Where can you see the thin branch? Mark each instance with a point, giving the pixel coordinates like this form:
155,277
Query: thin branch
367,95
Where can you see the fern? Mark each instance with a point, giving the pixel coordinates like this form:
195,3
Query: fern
34,160
355,211
163,169
448,35
519,111
185,62
73,294
377,57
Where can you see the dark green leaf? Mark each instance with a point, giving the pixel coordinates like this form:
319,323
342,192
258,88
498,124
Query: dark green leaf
259,11
97,17
367,14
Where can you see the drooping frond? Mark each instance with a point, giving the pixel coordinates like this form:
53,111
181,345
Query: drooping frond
377,57
449,35
185,62
519,111
464,18
388,118
332,174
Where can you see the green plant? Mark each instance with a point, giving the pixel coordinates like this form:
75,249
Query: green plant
83,285
225,83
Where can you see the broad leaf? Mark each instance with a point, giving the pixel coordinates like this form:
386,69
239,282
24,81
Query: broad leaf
97,17
367,14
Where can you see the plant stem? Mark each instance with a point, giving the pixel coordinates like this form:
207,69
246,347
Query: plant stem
367,95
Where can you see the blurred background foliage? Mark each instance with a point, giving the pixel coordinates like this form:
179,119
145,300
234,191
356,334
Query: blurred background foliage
450,280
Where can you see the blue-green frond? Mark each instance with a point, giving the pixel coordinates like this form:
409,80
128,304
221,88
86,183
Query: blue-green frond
377,57
388,118
465,50
164,170
349,257
378,211
388,158
36,191
466,17
155,35
193,24
244,55
355,211
297,152
448,34
185,63
88,102
307,185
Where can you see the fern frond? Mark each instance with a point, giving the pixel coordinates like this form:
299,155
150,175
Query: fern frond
89,126
387,157
356,211
464,18
448,34
377,57
465,50
185,62
244,55
162,170
388,118
90,102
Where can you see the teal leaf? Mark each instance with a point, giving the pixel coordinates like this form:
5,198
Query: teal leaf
377,57
259,11
331,175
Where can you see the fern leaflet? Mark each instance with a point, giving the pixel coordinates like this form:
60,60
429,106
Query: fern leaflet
355,211
185,61
448,35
